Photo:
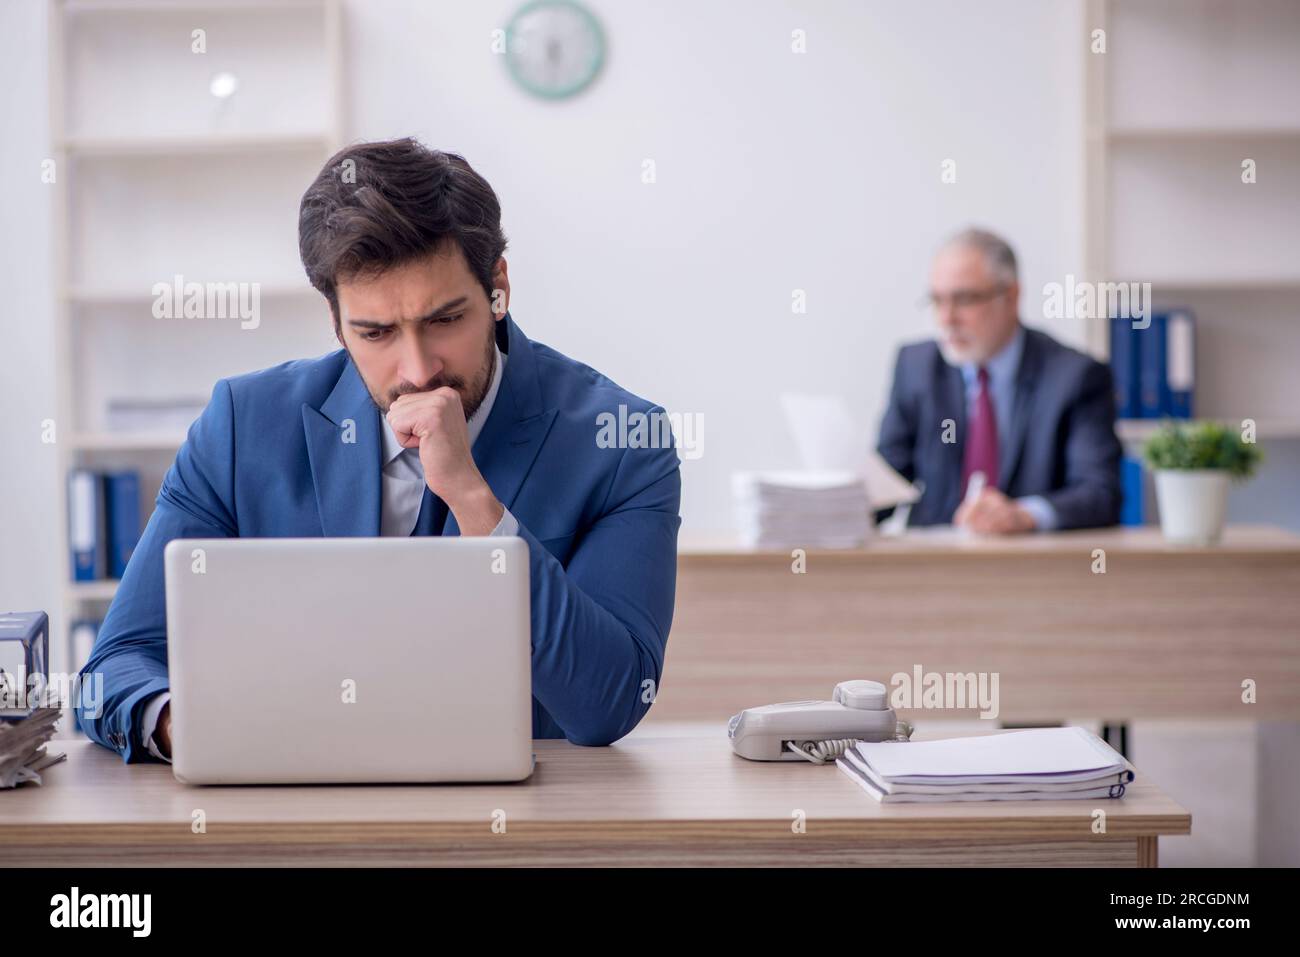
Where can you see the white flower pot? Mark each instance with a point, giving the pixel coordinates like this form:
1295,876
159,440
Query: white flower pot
1192,503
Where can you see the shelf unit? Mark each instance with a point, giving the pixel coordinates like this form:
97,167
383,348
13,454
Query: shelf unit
1139,430
1189,134
158,176
1187,90
188,145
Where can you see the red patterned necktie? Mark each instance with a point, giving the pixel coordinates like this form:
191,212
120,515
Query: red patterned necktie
981,453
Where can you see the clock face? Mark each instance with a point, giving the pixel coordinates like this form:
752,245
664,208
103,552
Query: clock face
554,48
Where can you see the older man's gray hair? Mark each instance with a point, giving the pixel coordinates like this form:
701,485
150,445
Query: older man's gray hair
999,257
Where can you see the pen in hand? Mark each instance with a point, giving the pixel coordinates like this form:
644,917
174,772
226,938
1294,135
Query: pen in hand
974,488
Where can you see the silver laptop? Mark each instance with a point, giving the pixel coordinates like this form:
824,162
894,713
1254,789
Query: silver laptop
349,660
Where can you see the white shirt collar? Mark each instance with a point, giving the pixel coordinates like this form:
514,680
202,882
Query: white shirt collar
475,424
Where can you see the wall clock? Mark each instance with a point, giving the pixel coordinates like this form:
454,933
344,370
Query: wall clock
554,48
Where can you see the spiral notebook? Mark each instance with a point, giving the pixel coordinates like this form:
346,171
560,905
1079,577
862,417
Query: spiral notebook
1040,764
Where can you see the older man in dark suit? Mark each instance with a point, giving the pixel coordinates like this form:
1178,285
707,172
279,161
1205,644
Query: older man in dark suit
1008,429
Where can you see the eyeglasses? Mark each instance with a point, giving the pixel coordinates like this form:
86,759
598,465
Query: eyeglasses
962,298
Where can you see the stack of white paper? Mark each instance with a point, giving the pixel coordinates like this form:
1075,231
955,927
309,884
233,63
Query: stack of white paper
22,746
829,502
801,509
1052,764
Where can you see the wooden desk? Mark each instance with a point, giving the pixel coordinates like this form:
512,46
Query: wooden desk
1166,632
665,795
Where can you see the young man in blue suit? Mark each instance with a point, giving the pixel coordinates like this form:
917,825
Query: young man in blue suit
438,416
1034,418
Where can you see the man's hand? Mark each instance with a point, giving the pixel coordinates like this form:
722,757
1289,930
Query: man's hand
435,423
162,734
992,513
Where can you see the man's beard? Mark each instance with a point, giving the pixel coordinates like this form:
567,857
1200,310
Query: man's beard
954,356
471,395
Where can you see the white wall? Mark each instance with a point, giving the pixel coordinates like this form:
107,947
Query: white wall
30,487
776,171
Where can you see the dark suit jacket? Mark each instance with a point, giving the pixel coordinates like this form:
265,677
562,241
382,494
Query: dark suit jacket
1060,442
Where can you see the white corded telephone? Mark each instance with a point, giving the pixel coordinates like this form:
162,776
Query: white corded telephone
817,731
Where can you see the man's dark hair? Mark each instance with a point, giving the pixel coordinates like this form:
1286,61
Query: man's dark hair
375,206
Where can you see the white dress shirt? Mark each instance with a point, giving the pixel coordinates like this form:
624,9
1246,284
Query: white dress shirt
402,491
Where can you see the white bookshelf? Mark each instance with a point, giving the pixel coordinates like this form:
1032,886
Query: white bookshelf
126,441
1185,91
1193,134
157,176
134,296
216,144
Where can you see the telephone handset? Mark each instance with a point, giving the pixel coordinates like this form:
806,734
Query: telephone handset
817,731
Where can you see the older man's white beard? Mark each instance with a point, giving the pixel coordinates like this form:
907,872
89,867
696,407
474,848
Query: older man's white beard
956,355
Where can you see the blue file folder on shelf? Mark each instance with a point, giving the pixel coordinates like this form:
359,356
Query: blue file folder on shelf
1124,367
1151,368
1167,366
1180,364
1132,509
86,525
122,508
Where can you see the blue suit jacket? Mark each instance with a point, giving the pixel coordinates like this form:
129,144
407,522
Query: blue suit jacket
266,460
1062,432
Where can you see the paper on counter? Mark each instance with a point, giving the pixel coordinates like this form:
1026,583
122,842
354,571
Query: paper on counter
828,442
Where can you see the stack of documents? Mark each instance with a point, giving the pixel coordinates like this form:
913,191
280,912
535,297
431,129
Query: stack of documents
1042,764
831,500
22,746
801,509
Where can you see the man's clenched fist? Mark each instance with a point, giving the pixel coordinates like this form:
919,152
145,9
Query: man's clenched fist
435,423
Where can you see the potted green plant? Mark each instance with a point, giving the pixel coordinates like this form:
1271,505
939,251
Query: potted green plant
1193,464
